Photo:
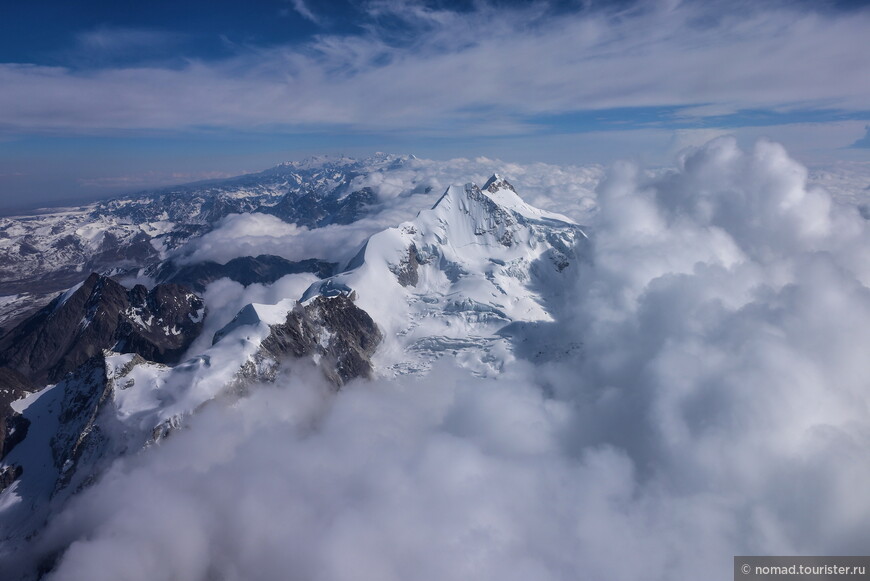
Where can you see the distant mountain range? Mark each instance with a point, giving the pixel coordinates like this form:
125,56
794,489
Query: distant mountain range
43,254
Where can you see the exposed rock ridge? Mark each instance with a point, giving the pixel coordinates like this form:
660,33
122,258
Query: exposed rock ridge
158,324
246,270
339,335
80,437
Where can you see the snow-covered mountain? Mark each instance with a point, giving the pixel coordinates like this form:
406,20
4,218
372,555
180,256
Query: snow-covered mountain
462,278
103,371
44,253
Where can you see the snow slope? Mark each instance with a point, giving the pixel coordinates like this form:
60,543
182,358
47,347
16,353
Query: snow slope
454,278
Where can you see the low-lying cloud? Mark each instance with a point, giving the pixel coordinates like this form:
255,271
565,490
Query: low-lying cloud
719,406
445,478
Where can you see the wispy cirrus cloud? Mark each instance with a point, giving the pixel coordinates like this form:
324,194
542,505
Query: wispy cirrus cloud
487,71
303,10
113,47
125,39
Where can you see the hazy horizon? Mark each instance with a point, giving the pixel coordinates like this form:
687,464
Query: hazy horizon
107,98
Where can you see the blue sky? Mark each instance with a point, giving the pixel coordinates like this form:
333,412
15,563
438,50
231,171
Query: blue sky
103,97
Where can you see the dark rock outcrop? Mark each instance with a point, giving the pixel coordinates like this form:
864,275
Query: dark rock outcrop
158,324
407,271
496,183
315,208
264,269
13,426
80,436
341,336
498,220
8,475
83,435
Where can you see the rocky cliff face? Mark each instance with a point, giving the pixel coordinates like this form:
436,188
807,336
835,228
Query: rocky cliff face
69,336
13,386
315,209
120,399
263,269
74,435
99,314
338,334
80,436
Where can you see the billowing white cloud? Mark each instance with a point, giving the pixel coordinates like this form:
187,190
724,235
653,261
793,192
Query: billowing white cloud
445,478
477,72
224,299
247,235
719,407
722,324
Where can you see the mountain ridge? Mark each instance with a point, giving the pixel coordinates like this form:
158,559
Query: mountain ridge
47,253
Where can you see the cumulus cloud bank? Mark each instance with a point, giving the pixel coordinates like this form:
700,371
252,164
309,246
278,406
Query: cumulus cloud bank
719,407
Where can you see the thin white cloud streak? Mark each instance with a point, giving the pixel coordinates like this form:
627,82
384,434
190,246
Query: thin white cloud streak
720,407
112,40
302,8
150,179
475,72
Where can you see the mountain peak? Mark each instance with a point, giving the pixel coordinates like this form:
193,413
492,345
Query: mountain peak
497,182
497,195
450,279
378,159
